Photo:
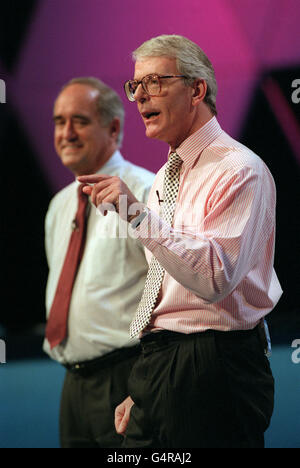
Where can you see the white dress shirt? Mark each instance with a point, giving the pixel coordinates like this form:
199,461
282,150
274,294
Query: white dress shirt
219,254
111,276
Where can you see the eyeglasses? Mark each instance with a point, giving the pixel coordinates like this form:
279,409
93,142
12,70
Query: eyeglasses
151,85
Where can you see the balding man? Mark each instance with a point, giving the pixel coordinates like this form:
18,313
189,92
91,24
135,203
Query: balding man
96,275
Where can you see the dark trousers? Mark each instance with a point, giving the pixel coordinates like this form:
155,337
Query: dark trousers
90,395
205,390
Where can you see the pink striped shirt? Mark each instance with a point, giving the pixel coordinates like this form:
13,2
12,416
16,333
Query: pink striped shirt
219,254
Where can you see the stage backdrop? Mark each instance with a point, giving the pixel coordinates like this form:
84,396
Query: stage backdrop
45,43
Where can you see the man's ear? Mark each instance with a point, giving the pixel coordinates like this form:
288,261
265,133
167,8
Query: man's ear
115,127
200,90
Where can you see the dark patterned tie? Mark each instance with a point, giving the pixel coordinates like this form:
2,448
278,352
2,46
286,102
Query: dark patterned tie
56,330
156,271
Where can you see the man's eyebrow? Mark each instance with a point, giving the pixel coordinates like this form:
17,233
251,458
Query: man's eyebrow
81,116
74,116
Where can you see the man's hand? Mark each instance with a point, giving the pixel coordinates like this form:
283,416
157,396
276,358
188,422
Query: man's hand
108,191
122,415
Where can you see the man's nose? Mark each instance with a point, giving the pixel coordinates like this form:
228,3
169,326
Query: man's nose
69,132
140,94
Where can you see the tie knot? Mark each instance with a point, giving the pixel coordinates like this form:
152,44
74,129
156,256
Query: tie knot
174,162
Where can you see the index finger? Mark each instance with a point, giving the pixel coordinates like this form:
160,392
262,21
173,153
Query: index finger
92,179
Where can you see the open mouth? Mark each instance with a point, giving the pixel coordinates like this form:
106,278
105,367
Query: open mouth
150,115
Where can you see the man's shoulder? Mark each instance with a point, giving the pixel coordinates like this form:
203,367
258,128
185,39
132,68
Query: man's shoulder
137,178
234,156
135,172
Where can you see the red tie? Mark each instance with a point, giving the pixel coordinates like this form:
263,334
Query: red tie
56,330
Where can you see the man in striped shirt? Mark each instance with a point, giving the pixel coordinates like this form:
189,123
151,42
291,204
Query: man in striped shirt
203,379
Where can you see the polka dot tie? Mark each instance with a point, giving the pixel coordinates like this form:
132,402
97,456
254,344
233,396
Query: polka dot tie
156,271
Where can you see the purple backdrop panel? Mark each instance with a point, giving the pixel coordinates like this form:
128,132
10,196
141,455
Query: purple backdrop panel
70,38
271,27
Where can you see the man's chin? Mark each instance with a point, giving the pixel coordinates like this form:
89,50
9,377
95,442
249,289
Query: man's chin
156,135
71,162
152,133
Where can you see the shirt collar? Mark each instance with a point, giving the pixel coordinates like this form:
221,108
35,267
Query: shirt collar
192,147
115,160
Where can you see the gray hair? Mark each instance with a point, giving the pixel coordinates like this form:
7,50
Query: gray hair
190,59
109,103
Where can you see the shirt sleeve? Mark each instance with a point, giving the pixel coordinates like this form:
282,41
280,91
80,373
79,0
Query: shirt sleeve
210,261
